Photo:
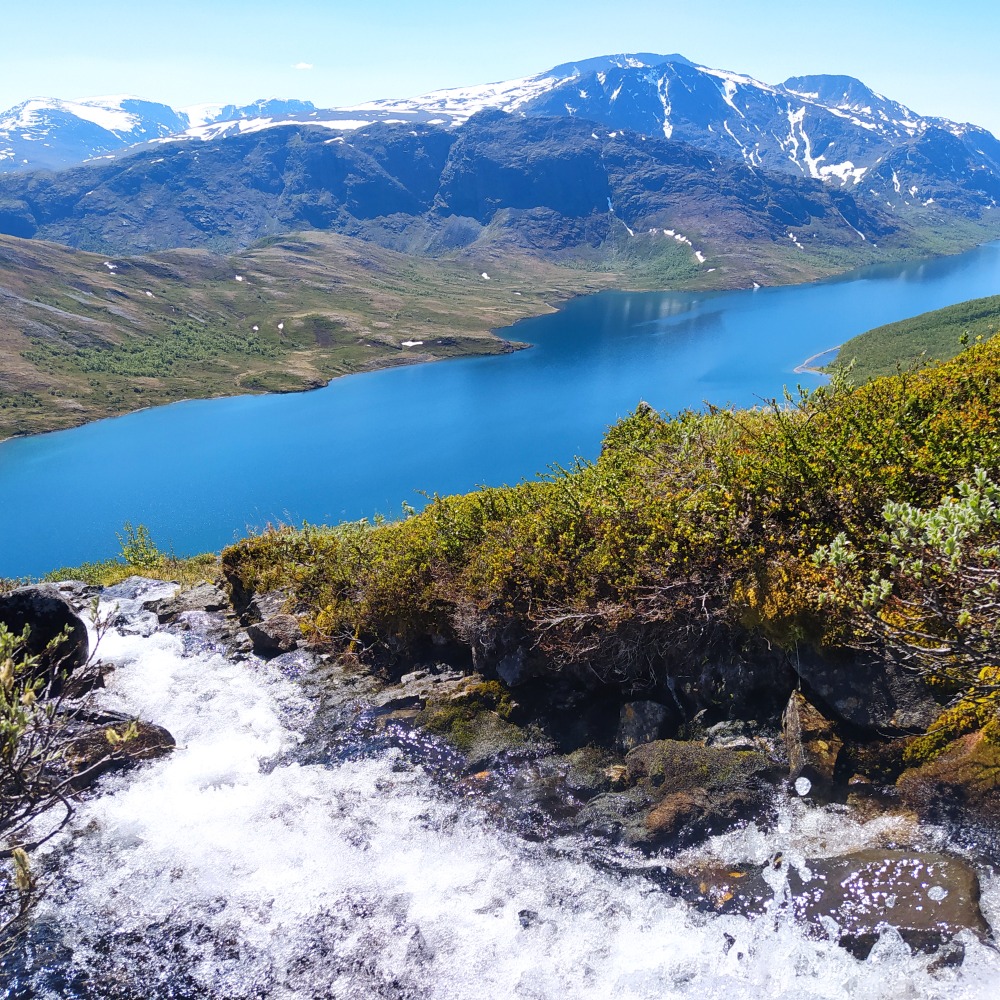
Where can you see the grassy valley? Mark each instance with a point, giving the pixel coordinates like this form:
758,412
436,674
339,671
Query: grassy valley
84,336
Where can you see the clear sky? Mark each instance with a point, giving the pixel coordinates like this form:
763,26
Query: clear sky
938,58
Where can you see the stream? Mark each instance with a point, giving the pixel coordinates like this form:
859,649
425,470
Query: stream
252,863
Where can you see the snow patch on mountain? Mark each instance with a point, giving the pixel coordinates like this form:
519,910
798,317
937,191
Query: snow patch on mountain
104,112
462,103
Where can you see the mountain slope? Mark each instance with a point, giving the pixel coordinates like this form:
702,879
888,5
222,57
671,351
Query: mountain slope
560,187
83,336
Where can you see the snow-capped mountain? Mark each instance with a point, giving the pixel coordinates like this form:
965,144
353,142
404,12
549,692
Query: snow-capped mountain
49,134
829,128
45,133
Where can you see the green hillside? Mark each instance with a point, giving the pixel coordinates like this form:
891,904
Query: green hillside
932,336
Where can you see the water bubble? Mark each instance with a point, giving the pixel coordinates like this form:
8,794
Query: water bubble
937,893
803,786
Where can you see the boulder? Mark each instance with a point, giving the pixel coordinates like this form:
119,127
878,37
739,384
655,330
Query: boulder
813,747
875,695
112,742
203,597
694,791
960,786
48,613
927,897
275,635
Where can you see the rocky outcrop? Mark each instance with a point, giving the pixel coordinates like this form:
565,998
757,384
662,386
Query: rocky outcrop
927,897
960,786
874,695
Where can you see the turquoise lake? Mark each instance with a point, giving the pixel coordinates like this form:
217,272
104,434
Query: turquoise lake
200,474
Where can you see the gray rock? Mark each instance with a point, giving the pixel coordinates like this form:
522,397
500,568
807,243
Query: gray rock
203,597
264,606
294,664
511,669
275,635
79,594
47,613
875,695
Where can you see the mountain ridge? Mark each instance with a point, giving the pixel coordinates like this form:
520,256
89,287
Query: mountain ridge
832,128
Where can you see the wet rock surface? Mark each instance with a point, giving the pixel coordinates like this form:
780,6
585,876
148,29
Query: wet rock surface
112,742
927,897
960,788
813,747
546,761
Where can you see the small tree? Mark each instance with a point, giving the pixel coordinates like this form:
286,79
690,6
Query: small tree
38,727
927,590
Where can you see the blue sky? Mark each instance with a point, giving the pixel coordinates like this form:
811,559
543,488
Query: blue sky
937,58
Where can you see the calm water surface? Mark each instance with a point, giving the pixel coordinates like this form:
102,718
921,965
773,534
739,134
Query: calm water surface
200,473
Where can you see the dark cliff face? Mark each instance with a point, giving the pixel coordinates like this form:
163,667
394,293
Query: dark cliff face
226,194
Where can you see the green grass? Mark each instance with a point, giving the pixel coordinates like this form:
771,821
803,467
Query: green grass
932,336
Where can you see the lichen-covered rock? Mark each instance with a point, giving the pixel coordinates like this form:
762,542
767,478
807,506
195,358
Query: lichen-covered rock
694,790
474,716
960,785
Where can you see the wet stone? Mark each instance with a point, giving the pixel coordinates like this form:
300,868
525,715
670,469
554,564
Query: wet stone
813,747
928,898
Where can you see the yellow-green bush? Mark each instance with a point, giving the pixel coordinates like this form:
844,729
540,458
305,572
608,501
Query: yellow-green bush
687,531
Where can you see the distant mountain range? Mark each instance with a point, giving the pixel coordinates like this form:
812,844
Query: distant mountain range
830,128
650,165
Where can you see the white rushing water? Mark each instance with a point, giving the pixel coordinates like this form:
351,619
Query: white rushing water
226,871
